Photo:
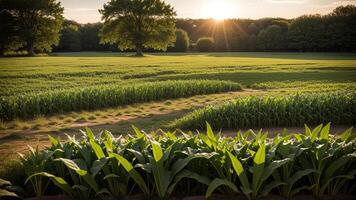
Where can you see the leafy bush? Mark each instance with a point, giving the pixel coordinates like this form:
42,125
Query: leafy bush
182,41
205,44
159,164
90,98
275,111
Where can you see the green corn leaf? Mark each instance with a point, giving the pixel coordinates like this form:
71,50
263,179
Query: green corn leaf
324,133
133,173
335,165
71,164
307,130
346,134
272,167
138,133
157,151
267,189
260,156
258,167
53,140
89,179
187,174
97,149
97,166
89,133
315,132
298,175
181,163
209,132
58,181
216,183
240,171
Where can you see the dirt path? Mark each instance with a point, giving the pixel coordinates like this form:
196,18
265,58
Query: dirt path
147,116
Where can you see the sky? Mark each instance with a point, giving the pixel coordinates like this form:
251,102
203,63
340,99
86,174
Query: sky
86,11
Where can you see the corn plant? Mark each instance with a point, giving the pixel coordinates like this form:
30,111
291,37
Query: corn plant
295,110
160,164
332,161
31,105
167,170
35,162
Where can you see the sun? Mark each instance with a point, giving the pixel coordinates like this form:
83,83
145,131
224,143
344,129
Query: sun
220,9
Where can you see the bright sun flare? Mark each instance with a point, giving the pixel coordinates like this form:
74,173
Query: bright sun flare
220,9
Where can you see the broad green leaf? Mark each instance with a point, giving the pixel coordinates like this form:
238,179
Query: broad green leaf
272,167
89,133
133,173
157,151
73,166
267,189
187,174
181,163
260,156
209,132
346,134
53,140
258,167
324,133
315,132
97,166
216,183
138,133
97,149
298,175
240,171
58,181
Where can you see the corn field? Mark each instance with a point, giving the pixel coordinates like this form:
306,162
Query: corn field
163,164
296,110
91,98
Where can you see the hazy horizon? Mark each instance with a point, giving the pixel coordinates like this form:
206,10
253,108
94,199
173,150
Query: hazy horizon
87,11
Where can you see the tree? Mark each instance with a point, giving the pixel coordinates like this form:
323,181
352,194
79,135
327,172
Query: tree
8,39
138,24
38,22
70,37
182,41
307,33
205,44
271,39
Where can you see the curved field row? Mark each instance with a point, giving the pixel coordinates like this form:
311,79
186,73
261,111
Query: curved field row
91,98
339,109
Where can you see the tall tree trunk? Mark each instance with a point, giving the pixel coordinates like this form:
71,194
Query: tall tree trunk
30,48
139,50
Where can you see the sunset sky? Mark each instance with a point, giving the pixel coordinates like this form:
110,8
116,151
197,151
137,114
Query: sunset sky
85,11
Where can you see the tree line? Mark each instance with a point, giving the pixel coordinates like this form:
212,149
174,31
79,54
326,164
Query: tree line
151,25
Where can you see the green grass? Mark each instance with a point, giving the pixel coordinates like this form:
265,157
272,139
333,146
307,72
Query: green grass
275,112
76,70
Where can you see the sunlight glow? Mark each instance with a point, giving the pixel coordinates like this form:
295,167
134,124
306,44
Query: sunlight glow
220,9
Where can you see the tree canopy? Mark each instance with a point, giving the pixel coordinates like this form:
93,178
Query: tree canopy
138,24
37,22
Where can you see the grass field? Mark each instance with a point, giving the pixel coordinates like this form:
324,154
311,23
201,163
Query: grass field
260,74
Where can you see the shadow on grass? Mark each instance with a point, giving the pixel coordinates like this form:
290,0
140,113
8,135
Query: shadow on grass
276,55
249,78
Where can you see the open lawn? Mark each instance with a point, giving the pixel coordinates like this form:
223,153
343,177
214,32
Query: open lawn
267,74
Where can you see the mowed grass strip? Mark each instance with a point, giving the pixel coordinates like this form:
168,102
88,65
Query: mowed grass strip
91,98
296,110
